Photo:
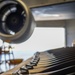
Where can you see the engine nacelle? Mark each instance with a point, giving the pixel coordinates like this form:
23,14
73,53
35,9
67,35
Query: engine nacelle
16,21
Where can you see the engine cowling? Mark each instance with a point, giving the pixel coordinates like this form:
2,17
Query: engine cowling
16,21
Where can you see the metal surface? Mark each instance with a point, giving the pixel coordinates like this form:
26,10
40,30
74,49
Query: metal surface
61,61
38,3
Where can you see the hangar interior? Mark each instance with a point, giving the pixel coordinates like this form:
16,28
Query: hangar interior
44,21
53,14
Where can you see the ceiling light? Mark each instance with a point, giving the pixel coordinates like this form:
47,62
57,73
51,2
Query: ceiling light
50,15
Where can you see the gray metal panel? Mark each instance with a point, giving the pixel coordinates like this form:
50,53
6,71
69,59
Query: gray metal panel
70,32
35,3
55,23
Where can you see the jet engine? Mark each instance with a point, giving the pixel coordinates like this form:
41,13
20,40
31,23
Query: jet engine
16,21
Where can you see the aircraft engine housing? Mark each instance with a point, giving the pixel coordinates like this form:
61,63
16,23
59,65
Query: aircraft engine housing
16,21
